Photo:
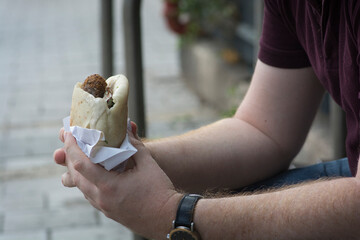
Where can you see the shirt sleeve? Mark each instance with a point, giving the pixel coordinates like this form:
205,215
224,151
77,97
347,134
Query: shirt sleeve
354,6
279,45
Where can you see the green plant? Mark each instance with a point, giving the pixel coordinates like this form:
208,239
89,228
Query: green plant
217,18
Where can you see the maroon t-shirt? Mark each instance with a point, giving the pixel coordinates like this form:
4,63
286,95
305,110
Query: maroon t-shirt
325,35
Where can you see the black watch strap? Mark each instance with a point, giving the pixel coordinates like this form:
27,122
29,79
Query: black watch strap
185,212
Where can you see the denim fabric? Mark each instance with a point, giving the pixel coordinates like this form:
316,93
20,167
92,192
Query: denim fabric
337,168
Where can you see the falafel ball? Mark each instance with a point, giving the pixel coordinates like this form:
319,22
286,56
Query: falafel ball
95,85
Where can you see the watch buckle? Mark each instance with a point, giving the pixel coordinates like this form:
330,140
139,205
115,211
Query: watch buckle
191,226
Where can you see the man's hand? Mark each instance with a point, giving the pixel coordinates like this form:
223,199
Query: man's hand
142,198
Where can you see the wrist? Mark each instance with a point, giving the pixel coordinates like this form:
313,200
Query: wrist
199,213
168,214
206,218
183,226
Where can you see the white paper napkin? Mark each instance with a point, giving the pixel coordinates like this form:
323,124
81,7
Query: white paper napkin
108,157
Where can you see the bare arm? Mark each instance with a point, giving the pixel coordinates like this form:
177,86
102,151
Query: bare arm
261,139
321,210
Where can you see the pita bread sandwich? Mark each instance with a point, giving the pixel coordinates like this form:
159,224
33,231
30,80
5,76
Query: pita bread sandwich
102,104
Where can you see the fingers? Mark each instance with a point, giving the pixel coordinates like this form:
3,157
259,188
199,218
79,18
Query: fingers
59,156
77,161
61,134
133,128
88,177
75,179
67,181
88,189
134,138
143,156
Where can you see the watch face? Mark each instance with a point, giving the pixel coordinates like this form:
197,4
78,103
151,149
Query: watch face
182,234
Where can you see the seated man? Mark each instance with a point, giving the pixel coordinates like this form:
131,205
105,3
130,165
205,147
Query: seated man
306,46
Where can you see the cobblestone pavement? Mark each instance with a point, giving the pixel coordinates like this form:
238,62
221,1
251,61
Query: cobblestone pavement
45,47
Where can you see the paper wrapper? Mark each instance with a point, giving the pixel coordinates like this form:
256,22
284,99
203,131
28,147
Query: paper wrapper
109,157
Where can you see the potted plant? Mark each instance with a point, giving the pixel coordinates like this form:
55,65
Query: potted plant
208,57
193,19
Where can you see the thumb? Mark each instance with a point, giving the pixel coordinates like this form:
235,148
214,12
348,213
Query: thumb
133,130
133,136
135,140
133,127
143,156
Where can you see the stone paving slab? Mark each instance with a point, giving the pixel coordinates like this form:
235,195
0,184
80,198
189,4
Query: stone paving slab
35,202
25,235
46,206
37,185
95,233
21,220
65,198
2,218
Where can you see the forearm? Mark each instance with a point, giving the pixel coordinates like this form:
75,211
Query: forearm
322,210
227,154
267,131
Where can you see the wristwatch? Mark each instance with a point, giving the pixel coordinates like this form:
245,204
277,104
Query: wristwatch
183,225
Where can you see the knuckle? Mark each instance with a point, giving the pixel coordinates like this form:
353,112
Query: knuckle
67,148
106,188
76,179
78,165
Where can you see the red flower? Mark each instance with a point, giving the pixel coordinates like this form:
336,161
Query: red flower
172,18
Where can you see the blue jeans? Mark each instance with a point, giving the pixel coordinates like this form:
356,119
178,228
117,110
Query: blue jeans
337,168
